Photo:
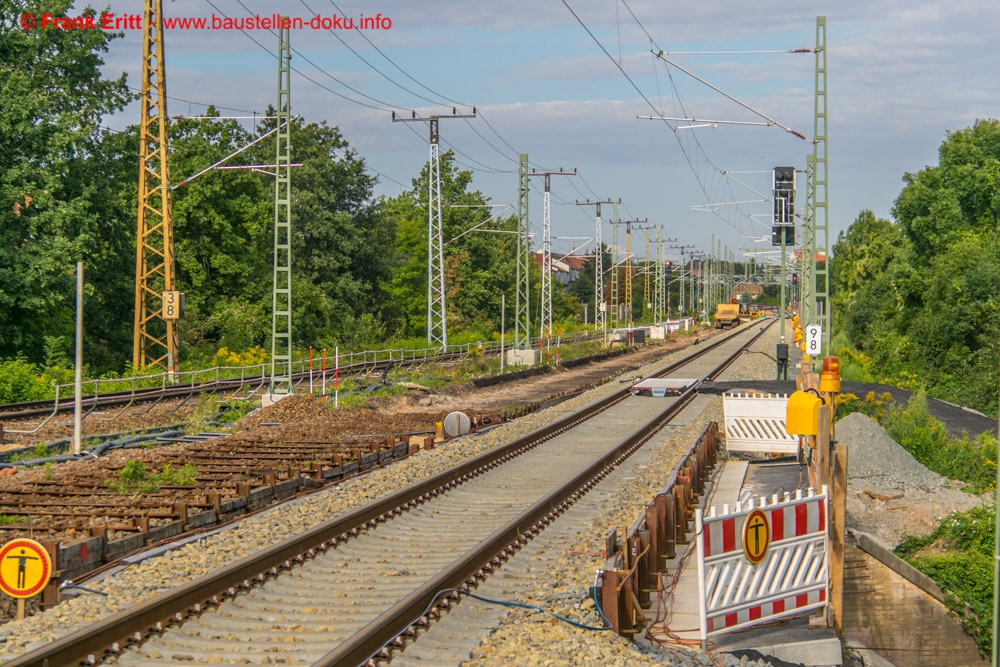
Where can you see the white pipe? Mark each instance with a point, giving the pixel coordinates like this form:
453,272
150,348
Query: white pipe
78,400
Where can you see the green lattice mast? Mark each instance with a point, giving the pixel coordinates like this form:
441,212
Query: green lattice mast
281,294
522,322
815,279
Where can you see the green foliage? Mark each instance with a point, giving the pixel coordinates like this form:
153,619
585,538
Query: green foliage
8,520
236,410
135,478
926,438
918,298
958,555
52,208
479,266
49,470
37,452
875,407
204,413
68,189
20,380
186,475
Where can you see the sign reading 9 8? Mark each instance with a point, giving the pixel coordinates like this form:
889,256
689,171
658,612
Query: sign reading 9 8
814,337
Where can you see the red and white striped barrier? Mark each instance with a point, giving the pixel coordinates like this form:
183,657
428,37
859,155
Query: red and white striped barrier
762,561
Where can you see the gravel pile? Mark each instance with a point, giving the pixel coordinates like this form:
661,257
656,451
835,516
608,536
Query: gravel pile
874,455
890,493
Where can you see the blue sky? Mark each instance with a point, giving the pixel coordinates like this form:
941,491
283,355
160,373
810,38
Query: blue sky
901,74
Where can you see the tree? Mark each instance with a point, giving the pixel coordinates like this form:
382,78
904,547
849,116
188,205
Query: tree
863,252
340,257
52,99
921,297
961,194
479,266
222,223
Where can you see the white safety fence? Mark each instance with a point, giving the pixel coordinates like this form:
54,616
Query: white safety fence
761,562
757,424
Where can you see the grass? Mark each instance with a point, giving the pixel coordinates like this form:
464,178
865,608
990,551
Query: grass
38,452
134,478
958,555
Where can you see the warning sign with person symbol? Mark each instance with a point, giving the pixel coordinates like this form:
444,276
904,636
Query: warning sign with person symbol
756,536
25,567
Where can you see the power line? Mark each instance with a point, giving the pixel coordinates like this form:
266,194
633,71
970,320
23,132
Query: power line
684,150
422,85
310,79
391,62
362,59
201,104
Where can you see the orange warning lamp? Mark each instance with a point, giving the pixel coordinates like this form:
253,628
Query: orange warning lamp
829,379
802,414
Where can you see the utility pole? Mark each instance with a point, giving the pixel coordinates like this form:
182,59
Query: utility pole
816,230
646,296
546,324
155,334
281,293
682,248
522,311
628,264
615,297
437,325
698,286
710,282
600,305
661,296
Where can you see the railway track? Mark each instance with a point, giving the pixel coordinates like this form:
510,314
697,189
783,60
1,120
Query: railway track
328,587
245,385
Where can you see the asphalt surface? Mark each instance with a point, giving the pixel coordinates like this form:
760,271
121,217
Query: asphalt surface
955,417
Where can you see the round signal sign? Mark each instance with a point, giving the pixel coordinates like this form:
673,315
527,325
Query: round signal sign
756,536
25,567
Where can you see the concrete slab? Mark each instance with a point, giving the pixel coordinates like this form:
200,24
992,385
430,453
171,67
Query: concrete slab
767,478
729,485
792,642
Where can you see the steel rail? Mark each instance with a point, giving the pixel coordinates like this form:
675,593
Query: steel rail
372,641
87,645
51,406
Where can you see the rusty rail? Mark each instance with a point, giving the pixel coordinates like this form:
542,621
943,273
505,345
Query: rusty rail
88,644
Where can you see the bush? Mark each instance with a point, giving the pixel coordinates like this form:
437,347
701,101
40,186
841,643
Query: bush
970,460
20,380
961,562
876,407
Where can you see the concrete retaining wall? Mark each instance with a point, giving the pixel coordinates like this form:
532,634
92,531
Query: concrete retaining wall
898,612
